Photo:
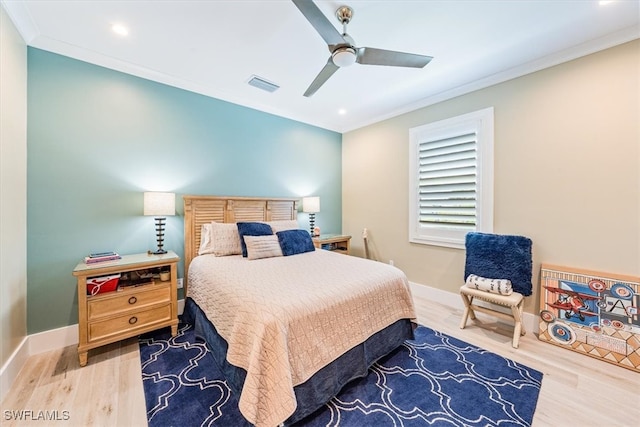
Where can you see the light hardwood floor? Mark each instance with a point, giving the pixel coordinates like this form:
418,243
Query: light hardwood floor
106,392
576,389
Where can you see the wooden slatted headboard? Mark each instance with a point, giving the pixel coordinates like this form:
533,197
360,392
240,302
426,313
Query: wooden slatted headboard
199,210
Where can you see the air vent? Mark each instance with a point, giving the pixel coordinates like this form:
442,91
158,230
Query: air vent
263,84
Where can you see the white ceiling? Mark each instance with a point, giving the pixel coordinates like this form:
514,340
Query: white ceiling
213,47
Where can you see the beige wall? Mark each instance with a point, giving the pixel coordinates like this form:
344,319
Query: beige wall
567,171
13,188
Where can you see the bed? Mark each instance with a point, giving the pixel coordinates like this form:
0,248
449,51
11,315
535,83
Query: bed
288,332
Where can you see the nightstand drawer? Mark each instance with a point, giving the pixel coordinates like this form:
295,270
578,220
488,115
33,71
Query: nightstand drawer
128,322
111,305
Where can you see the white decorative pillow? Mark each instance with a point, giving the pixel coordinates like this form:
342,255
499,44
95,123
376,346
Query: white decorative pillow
288,224
496,286
206,240
262,246
225,239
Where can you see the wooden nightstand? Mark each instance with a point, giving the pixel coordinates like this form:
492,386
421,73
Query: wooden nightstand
333,242
131,310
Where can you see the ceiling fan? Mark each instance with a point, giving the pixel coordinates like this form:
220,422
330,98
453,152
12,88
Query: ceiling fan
343,49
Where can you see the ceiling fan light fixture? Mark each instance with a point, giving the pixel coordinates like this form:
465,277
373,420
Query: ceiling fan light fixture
344,51
344,56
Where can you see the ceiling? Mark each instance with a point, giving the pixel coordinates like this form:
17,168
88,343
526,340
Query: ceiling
213,47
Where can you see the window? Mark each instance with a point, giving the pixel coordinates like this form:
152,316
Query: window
451,179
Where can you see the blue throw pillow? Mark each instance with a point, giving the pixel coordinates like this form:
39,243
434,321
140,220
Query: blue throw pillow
252,229
294,242
500,257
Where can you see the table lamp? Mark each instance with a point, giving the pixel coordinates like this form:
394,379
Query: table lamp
159,205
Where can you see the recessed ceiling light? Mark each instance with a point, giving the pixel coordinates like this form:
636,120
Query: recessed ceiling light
120,29
342,111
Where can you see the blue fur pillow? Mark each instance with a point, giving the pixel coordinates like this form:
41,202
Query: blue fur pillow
500,257
295,242
252,229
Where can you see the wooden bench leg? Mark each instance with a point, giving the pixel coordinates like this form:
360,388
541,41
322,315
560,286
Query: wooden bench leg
472,313
518,329
465,315
521,310
468,310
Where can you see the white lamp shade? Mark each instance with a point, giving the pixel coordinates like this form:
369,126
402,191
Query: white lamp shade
159,204
311,204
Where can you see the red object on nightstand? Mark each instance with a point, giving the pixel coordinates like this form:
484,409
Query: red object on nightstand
102,284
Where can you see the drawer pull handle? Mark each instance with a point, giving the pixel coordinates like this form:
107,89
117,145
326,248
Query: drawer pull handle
133,320
133,300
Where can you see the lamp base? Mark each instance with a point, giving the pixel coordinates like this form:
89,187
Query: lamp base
159,236
158,252
312,221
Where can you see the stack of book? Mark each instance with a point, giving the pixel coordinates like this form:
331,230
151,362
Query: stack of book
101,257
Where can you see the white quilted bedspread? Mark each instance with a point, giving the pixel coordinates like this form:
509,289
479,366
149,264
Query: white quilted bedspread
285,318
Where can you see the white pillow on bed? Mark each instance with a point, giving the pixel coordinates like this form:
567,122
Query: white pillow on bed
206,241
288,224
262,246
226,240
220,239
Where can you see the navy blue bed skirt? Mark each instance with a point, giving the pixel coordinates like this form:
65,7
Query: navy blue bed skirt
322,386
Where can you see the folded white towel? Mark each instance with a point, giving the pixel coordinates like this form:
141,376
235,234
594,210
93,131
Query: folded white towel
496,286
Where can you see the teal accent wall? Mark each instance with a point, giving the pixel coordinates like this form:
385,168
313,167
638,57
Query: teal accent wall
97,139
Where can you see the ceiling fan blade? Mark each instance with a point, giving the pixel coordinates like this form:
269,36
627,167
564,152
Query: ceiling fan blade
320,22
322,77
373,56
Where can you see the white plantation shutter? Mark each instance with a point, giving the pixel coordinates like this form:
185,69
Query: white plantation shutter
447,182
451,179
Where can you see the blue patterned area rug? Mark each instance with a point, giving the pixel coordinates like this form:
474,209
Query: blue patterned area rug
434,380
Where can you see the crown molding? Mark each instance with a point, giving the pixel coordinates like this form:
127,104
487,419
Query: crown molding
22,19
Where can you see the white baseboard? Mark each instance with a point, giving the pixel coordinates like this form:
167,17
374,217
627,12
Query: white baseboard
12,367
453,300
445,297
53,339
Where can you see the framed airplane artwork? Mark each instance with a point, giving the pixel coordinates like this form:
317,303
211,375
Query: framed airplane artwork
591,313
